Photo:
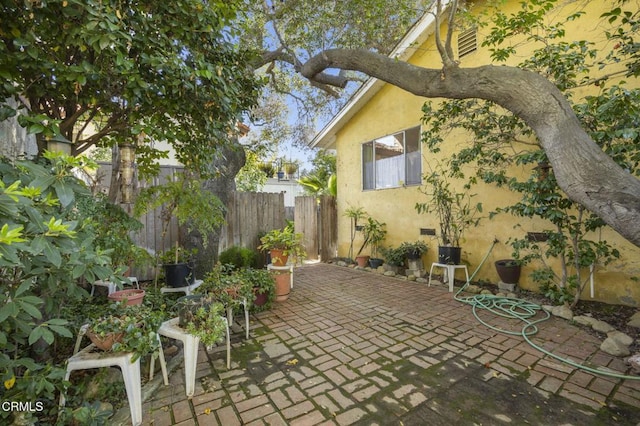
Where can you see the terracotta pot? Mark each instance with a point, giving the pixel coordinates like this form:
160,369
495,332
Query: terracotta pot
362,261
278,258
105,343
283,285
132,296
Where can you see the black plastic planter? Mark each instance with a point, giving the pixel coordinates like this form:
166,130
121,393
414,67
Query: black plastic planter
449,255
178,274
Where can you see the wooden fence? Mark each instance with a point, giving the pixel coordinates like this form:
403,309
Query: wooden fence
249,215
316,219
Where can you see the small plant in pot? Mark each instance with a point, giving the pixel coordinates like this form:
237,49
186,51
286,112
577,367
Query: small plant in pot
282,244
202,317
508,270
374,233
455,211
414,250
263,286
126,328
178,264
226,285
394,258
185,199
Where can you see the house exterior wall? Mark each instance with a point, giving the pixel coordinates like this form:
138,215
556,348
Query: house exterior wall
392,110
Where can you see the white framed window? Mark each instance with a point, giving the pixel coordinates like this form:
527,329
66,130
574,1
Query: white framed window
392,161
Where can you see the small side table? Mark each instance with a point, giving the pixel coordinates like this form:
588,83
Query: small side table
190,343
289,268
186,289
450,271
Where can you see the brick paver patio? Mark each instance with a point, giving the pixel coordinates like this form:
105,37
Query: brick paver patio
354,347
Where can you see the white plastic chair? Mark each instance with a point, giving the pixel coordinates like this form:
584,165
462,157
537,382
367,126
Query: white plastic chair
87,358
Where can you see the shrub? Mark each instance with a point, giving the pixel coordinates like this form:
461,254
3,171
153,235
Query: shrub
239,257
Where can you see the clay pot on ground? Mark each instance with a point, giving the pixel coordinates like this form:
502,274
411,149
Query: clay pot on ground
132,296
362,261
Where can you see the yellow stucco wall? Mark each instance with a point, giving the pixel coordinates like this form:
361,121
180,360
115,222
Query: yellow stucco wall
392,110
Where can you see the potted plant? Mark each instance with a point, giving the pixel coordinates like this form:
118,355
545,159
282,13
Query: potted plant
373,232
455,211
267,169
184,199
226,285
282,243
178,264
126,328
394,258
202,317
508,270
413,250
291,168
263,287
354,214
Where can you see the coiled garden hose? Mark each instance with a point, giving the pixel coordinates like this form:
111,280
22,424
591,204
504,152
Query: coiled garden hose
522,310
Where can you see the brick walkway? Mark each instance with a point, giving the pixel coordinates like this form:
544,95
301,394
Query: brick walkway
354,347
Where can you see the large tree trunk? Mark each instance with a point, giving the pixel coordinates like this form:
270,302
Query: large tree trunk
586,174
229,163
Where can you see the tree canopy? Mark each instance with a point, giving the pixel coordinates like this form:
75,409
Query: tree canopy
113,72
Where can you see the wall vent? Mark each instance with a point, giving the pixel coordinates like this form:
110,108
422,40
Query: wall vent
467,42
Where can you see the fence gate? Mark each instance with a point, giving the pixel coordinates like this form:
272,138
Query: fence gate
328,227
306,223
316,219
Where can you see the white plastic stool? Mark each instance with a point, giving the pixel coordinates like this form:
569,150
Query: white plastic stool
450,271
111,286
186,289
191,343
88,358
289,268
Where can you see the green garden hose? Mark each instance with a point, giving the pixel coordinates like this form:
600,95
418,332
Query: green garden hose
522,310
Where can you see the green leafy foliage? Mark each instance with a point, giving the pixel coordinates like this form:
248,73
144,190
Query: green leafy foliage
285,239
454,208
373,233
394,256
239,257
47,246
185,199
134,71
